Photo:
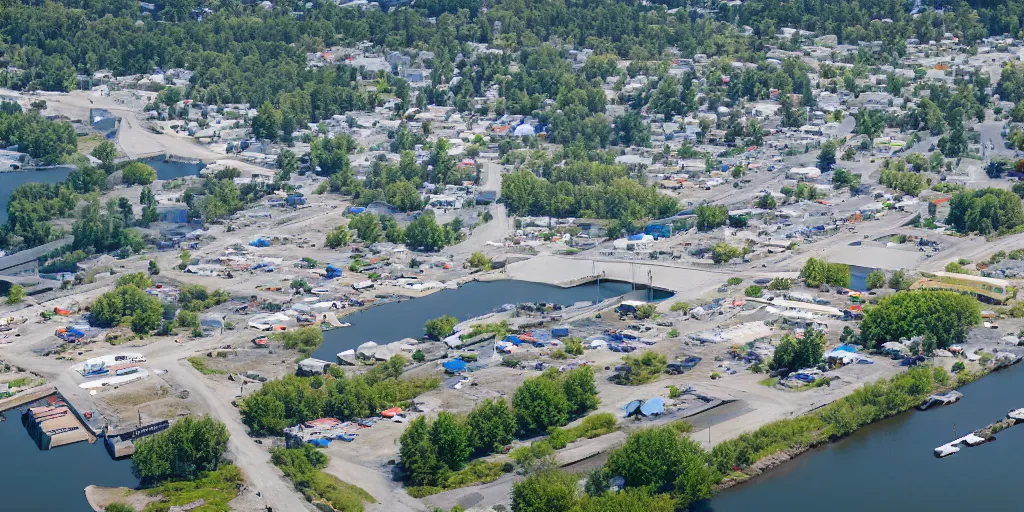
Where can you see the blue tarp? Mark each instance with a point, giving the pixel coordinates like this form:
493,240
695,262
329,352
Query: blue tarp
455,365
260,242
653,406
846,348
560,332
632,407
333,272
320,442
636,237
513,339
357,209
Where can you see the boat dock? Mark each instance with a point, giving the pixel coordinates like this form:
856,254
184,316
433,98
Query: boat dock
980,436
54,424
954,446
950,397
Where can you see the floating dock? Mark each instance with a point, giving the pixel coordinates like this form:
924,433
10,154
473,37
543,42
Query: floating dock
954,446
54,425
981,436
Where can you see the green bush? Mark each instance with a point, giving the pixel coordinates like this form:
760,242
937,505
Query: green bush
642,369
753,291
304,339
680,306
733,281
441,327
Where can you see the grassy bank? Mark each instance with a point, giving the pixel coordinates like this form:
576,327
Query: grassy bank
752,453
302,466
216,489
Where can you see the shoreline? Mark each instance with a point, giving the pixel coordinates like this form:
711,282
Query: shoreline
770,462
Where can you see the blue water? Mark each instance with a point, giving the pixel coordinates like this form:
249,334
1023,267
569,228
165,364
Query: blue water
53,480
398,320
890,465
168,170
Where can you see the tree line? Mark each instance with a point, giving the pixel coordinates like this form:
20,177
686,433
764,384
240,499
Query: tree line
292,400
432,450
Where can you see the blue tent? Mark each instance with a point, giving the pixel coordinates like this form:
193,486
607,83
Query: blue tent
846,348
333,272
633,407
455,365
653,406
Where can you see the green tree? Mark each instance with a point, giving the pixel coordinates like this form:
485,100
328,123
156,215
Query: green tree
540,403
444,170
580,390
792,354
711,216
827,157
287,163
663,460
492,426
947,316
338,238
441,327
367,227
424,233
138,173
127,304
267,122
875,279
105,152
16,294
545,491
451,439
189,448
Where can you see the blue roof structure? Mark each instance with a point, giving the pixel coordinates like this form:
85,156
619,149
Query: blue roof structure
455,365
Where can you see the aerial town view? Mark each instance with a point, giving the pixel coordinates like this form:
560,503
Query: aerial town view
511,255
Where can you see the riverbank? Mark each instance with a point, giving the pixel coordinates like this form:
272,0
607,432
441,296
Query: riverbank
823,436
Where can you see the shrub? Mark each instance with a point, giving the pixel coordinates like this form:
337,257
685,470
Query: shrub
441,327
753,291
642,369
733,281
681,306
